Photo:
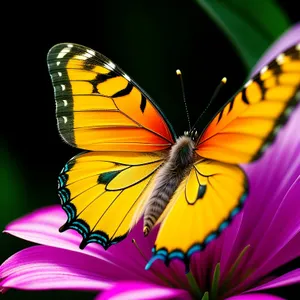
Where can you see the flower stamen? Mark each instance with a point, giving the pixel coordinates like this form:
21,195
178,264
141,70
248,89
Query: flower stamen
139,249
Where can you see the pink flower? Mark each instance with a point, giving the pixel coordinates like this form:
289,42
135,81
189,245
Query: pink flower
265,236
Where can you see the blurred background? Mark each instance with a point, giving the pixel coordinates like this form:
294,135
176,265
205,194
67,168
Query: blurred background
148,39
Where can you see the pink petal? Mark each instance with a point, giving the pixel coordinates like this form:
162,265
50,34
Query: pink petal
292,277
288,39
137,290
42,225
255,297
42,267
286,254
284,228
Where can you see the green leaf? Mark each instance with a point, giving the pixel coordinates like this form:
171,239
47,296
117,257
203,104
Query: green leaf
205,296
215,283
251,25
194,285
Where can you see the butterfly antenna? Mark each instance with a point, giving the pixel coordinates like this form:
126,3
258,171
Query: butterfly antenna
214,96
178,72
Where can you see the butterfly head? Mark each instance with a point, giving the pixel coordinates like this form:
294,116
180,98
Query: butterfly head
193,134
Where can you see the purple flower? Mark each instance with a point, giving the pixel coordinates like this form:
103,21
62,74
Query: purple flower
238,265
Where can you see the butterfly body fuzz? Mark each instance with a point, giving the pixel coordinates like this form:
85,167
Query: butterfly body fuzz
169,177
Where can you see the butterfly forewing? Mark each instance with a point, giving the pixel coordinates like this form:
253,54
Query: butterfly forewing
244,128
99,107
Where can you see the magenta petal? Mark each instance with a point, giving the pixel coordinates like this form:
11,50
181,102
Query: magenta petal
286,40
137,291
255,297
286,254
282,229
42,226
292,277
42,267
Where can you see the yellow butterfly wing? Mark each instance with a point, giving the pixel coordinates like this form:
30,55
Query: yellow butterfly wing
244,128
203,206
103,192
215,189
100,108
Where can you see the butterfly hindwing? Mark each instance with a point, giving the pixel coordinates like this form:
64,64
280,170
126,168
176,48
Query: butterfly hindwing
244,128
99,107
102,193
203,206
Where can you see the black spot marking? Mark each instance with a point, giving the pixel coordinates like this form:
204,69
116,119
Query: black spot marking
220,115
231,106
89,63
107,177
277,70
124,92
261,86
143,103
101,78
201,191
244,97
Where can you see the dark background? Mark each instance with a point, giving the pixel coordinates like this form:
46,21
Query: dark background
148,39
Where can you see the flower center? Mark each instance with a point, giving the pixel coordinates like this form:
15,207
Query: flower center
217,290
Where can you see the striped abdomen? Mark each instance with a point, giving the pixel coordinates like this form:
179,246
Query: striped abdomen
168,179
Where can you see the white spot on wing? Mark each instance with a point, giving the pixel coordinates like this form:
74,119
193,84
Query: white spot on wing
65,119
58,63
59,74
248,83
127,77
110,65
70,45
88,55
92,52
81,57
280,58
63,52
63,87
263,70
65,102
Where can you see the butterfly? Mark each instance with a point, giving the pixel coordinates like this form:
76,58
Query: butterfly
135,166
